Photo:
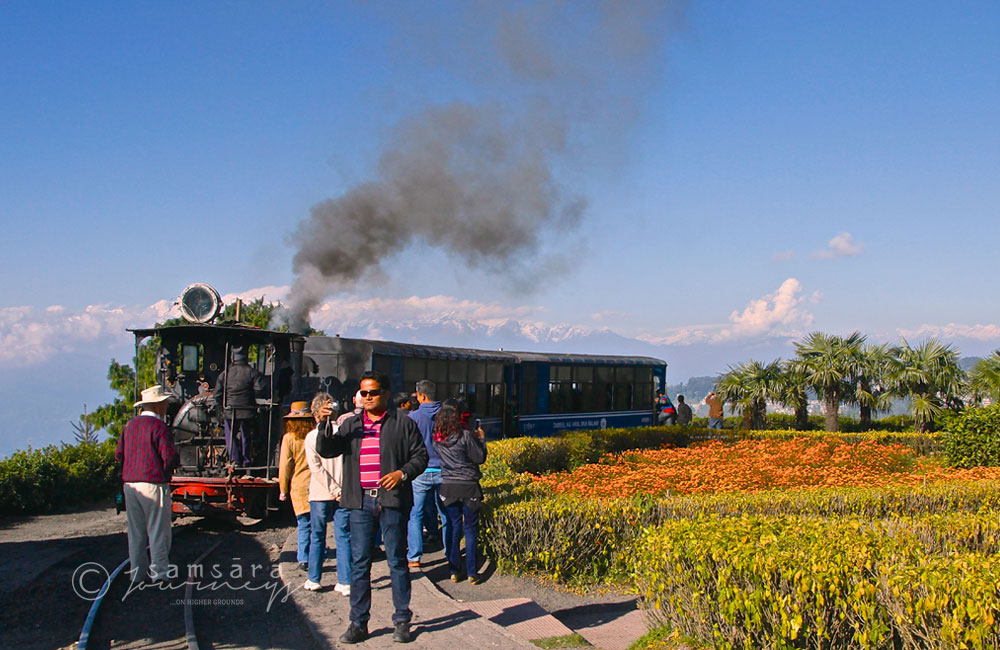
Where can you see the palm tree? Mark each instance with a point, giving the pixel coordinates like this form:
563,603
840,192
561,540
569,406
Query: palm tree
828,363
871,392
794,394
984,378
748,387
929,375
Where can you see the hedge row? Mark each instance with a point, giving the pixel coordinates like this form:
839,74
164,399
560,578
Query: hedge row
778,582
570,450
42,480
577,540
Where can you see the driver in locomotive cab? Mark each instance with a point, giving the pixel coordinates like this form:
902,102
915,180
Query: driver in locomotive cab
235,393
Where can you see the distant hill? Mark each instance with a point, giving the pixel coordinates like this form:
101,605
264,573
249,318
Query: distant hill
967,363
694,389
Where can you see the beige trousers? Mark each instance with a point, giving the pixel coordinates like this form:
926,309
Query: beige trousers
147,506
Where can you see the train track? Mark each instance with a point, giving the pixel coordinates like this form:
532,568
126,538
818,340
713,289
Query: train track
193,578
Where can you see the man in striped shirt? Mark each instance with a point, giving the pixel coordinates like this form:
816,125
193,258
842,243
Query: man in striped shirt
382,451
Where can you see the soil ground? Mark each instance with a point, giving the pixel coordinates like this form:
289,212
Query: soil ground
39,609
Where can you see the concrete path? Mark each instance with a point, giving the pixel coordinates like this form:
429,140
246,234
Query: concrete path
446,623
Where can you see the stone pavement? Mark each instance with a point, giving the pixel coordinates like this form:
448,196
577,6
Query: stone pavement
440,621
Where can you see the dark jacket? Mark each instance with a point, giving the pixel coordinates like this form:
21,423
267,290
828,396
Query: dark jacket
237,389
400,447
461,457
424,417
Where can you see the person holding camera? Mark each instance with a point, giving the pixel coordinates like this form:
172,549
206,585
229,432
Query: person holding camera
714,410
324,503
462,452
382,452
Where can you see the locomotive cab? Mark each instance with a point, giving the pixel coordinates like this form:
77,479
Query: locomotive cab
189,361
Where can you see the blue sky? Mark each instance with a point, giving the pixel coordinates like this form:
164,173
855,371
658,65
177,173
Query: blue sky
764,169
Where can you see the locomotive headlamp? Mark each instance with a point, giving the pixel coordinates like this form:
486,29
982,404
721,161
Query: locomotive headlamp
200,303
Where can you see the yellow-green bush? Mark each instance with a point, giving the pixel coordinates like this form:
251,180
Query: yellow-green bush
814,582
576,539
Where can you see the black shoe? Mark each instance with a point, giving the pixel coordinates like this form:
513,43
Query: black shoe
402,633
475,580
355,634
457,577
303,566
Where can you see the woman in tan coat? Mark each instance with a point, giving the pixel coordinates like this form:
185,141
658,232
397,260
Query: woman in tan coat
293,473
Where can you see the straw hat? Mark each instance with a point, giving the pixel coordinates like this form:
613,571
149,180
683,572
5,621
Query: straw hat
154,394
299,410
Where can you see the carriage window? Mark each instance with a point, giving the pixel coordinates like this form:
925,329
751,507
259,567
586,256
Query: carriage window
494,373
624,388
189,357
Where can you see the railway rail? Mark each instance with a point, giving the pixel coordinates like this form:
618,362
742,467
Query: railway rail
125,616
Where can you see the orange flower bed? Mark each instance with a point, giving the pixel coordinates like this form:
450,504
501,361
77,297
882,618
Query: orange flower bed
755,465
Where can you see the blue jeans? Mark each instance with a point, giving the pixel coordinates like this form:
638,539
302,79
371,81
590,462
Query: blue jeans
714,423
467,510
303,529
364,523
425,488
320,513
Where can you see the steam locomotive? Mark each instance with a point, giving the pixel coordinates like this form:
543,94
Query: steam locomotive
510,393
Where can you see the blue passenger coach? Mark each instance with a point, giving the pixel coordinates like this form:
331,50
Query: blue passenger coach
511,393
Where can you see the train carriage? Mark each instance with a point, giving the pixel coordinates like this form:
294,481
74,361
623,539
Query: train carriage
509,393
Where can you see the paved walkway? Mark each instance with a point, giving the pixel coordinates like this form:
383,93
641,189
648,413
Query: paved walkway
447,623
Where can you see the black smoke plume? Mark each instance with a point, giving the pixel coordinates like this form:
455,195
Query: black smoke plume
479,181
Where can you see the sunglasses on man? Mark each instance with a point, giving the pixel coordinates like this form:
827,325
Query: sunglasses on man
370,393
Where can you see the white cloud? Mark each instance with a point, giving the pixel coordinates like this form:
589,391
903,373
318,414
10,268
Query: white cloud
609,314
842,245
29,336
977,332
779,313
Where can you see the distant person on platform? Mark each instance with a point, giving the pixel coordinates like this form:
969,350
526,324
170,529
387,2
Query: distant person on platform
148,457
427,486
684,414
238,387
382,451
714,410
666,414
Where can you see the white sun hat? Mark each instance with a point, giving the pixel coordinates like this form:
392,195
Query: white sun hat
154,394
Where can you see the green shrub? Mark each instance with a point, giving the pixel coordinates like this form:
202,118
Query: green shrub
41,480
576,539
778,582
972,437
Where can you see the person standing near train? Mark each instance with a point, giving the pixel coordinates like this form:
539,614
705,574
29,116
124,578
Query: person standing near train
427,485
462,452
382,451
235,394
293,474
325,477
148,457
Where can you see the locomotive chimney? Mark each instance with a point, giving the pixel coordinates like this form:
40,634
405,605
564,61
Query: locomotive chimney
239,309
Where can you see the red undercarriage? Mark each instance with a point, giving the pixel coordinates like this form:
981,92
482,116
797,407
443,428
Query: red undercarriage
219,495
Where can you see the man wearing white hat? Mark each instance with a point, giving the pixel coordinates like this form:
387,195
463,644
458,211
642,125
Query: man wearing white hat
148,457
